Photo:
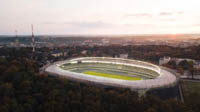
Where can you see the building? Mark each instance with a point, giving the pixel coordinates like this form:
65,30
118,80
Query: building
178,60
84,52
59,53
123,56
197,65
105,41
164,60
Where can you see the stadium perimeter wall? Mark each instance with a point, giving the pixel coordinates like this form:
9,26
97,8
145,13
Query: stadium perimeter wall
165,79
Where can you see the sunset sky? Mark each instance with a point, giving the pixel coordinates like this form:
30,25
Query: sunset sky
100,16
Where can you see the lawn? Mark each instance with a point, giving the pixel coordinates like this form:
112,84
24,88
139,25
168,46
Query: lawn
115,76
190,89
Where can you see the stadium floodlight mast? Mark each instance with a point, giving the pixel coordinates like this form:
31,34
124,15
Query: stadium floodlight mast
33,39
16,34
16,41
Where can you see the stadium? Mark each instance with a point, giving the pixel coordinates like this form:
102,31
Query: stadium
116,72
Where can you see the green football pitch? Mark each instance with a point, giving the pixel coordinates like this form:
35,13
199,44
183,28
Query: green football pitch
108,75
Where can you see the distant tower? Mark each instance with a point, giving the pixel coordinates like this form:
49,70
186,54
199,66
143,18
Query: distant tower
16,41
33,39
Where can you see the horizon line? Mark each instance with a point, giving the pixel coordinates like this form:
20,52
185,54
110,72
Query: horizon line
153,34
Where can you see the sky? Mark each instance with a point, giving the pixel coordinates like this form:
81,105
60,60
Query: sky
96,17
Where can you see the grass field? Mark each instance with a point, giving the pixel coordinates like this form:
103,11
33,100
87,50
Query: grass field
190,88
123,70
115,76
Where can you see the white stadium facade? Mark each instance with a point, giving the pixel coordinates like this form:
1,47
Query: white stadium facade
155,77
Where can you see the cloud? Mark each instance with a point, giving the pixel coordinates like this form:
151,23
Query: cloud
97,24
140,15
141,25
169,13
49,23
170,20
151,15
180,12
165,13
196,25
83,24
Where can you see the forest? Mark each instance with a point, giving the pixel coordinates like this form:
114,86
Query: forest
23,89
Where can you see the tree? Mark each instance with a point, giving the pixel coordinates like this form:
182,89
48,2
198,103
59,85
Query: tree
180,70
186,65
171,64
193,71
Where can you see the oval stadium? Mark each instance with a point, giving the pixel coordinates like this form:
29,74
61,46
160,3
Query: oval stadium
117,72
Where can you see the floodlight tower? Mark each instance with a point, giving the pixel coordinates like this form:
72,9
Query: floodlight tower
33,39
16,41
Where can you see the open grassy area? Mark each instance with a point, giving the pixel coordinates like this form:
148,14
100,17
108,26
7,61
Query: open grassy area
111,75
190,88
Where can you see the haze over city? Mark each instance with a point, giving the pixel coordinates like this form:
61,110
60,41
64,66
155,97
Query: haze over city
97,17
